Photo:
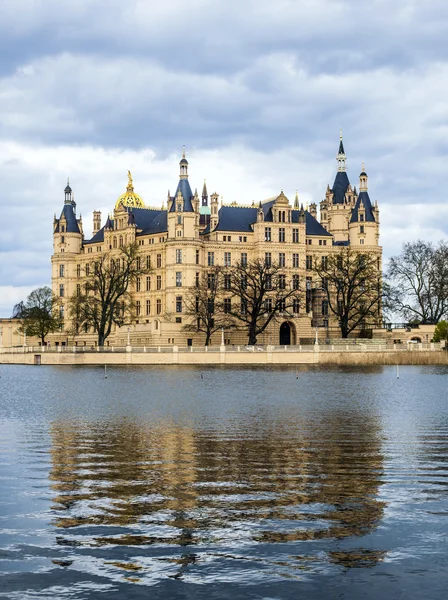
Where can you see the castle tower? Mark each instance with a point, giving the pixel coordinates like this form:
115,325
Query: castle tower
339,200
182,222
364,220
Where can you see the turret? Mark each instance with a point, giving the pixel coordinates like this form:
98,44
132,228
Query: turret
214,211
67,230
364,220
96,221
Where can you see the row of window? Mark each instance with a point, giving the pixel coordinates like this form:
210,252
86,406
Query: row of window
138,307
281,235
281,281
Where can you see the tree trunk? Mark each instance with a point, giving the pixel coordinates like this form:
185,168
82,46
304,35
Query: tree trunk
252,335
207,338
101,339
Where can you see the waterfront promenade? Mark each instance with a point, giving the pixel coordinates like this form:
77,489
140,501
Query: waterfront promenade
339,353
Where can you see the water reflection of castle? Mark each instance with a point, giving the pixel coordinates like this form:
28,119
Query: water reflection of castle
301,481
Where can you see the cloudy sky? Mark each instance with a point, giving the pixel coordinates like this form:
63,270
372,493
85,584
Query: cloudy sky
257,91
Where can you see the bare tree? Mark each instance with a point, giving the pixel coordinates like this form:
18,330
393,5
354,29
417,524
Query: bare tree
418,279
204,305
105,298
258,293
40,314
351,285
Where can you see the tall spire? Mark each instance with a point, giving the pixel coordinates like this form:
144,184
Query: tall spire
296,200
183,165
204,195
341,157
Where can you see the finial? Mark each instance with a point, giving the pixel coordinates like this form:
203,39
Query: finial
340,134
68,180
363,168
130,183
183,151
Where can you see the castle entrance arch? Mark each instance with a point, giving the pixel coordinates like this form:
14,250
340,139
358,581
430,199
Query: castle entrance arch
287,334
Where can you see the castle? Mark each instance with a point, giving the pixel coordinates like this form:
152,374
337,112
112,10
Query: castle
179,242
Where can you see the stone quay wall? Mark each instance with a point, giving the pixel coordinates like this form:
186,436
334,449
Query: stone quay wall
359,354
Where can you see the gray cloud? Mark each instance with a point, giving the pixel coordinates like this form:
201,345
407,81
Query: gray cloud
129,83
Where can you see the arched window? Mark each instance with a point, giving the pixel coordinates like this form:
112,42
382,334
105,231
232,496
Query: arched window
121,241
115,242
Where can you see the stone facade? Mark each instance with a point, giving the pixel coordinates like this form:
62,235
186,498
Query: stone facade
182,240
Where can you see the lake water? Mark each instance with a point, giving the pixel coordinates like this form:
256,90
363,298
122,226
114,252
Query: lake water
210,483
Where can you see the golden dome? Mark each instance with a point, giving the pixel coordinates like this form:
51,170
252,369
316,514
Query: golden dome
129,198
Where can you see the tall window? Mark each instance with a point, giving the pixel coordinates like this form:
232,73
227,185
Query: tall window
159,282
281,234
282,282
159,261
211,259
282,259
325,308
138,262
61,271
268,259
295,261
210,280
227,305
78,289
361,229
309,262
87,270
148,262
227,282
78,270
138,284
179,256
148,284
295,282
244,259
267,234
243,307
197,257
295,236
159,306
269,281
178,278
197,280
324,261
148,307
227,259
295,305
268,305
137,308
61,290
178,304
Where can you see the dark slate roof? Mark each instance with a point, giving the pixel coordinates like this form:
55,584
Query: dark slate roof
97,238
341,148
235,218
312,226
187,195
70,217
150,221
344,243
340,186
364,198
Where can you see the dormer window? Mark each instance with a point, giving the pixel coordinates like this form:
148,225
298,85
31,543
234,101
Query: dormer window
179,206
62,228
361,217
